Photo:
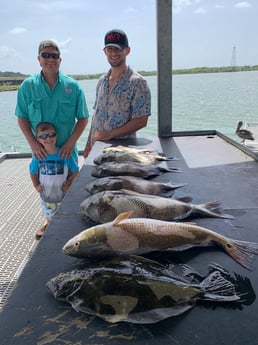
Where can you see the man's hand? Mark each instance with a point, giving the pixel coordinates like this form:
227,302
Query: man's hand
38,150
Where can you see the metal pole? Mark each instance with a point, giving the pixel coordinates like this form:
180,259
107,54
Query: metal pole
164,73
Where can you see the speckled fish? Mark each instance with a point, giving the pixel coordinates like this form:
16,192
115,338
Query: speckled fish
136,290
104,206
132,183
121,148
129,169
138,236
125,157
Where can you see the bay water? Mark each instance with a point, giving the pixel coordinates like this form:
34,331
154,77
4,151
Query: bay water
211,101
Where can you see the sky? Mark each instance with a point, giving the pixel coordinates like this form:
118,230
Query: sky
206,33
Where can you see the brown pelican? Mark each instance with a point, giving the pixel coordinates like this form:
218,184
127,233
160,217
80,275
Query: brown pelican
244,134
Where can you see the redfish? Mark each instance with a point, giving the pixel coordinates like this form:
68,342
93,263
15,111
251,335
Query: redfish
124,236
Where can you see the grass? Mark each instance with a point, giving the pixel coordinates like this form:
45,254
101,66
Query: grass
9,87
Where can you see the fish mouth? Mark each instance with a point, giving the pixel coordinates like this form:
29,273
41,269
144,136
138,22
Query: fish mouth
71,247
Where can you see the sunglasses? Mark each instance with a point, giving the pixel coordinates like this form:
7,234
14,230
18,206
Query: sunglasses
47,135
54,56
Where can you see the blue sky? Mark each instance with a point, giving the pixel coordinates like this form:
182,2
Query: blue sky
204,32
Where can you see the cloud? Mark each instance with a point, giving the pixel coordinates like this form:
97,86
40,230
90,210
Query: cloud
131,10
178,5
8,58
200,10
17,31
53,6
6,52
243,4
64,45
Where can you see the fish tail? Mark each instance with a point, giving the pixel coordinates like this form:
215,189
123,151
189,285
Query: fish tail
217,288
212,209
243,252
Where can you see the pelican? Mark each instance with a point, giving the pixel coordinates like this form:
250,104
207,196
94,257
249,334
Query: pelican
244,134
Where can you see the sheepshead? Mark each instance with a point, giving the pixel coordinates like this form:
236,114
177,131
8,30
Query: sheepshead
125,236
137,290
129,169
136,184
104,206
121,148
125,157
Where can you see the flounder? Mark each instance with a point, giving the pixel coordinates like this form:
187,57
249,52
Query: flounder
104,206
136,290
132,183
124,236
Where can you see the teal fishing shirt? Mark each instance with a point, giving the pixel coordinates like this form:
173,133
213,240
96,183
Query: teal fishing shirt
62,106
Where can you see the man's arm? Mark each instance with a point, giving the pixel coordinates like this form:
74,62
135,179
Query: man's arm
130,127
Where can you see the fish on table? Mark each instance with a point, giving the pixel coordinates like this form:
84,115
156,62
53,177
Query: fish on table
132,183
137,236
140,158
104,206
128,149
129,169
137,290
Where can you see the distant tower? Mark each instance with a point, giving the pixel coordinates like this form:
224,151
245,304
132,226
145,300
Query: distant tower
233,59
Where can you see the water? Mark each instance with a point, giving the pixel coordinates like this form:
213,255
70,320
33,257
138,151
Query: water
200,102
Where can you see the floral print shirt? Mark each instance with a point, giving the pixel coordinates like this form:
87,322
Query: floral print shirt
129,98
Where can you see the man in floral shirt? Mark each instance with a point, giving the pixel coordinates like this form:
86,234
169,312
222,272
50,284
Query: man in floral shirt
123,98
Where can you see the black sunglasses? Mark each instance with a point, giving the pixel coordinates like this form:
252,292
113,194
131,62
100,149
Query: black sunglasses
54,56
45,136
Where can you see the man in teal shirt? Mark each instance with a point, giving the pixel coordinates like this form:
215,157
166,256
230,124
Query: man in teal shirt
52,97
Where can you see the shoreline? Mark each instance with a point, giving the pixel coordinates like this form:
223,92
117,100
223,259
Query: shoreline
5,81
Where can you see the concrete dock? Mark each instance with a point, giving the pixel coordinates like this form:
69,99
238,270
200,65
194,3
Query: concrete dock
20,218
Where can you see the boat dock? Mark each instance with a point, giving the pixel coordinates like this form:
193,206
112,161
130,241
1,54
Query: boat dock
20,218
213,169
252,144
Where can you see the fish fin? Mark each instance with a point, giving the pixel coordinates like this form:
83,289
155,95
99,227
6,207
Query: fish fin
175,185
130,192
218,288
185,199
164,158
212,209
122,216
172,158
169,169
243,252
190,223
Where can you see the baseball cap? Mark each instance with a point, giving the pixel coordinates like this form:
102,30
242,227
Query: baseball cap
116,38
48,44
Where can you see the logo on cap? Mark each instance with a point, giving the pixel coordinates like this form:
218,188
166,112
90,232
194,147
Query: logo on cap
116,38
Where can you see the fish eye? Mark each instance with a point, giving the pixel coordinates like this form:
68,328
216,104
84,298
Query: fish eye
77,244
